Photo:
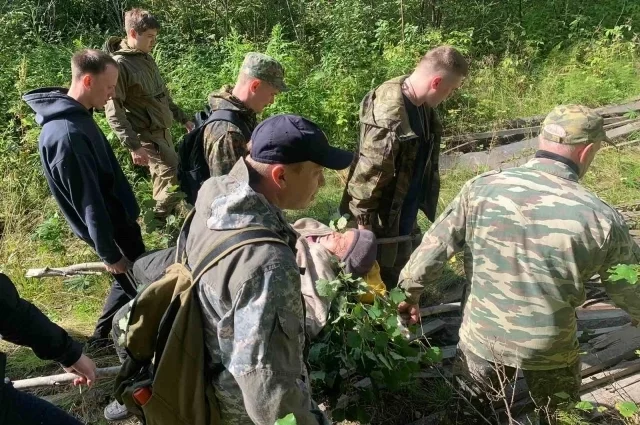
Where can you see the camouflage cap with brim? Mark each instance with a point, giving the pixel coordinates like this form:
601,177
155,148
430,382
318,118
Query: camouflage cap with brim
574,124
264,68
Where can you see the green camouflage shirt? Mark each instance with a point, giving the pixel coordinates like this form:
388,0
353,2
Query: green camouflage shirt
531,235
142,103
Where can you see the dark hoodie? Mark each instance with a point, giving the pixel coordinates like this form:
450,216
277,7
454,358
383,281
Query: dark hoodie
23,324
82,171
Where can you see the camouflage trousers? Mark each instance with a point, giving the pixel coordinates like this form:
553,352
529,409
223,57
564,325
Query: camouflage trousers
487,382
163,166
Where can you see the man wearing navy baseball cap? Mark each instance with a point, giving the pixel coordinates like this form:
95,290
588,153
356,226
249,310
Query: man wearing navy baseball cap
251,300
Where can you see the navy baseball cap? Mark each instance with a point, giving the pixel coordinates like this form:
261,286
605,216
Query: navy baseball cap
290,139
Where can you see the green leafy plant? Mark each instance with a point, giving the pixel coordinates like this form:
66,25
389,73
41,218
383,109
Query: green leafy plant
626,408
51,234
364,341
287,420
625,273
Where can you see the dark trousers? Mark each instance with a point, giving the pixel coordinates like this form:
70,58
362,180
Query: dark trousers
18,408
123,289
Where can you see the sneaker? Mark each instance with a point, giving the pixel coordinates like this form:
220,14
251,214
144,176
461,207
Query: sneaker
116,412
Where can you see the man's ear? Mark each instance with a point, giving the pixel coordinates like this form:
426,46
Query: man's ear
254,85
133,34
87,80
278,176
435,83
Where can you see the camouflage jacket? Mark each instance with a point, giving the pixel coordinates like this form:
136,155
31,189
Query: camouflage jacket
380,175
142,103
252,308
531,236
224,142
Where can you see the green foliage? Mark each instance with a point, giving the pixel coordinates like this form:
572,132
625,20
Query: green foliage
50,234
364,341
626,408
624,273
287,420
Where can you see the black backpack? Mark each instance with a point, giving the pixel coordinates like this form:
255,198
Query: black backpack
193,169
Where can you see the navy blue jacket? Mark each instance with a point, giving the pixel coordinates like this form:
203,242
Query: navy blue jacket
82,171
23,324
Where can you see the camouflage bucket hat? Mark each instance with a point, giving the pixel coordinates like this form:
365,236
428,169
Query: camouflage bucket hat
574,124
264,68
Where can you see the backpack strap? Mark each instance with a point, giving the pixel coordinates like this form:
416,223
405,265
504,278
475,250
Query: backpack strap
233,241
181,245
229,116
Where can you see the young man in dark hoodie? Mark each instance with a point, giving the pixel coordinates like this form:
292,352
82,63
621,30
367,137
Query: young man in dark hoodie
84,175
23,324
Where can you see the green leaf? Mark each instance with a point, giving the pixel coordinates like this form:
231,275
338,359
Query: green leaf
371,356
587,406
432,355
563,395
624,272
287,420
327,289
626,408
354,339
384,361
381,340
342,223
392,322
375,311
396,356
602,409
318,375
397,295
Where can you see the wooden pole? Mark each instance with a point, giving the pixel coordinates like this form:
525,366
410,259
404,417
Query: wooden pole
61,379
76,269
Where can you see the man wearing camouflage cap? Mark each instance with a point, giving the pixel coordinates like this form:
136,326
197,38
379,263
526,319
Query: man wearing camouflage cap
532,235
260,79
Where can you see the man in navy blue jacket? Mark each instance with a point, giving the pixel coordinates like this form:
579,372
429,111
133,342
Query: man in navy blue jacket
84,176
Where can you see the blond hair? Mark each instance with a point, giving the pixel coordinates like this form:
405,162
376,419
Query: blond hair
140,21
445,59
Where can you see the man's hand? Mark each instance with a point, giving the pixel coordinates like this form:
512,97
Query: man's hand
140,157
85,368
189,125
120,267
410,313
364,227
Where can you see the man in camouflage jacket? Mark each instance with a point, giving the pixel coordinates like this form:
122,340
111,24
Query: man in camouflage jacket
142,111
260,79
532,235
395,172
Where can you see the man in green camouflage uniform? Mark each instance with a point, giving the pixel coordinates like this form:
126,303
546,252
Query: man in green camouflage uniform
260,79
141,113
395,172
531,236
251,301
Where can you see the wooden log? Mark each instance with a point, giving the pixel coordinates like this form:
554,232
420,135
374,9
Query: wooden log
439,309
610,349
77,269
429,327
61,379
624,389
608,376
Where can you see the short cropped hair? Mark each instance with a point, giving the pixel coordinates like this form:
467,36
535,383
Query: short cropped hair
140,20
90,61
447,59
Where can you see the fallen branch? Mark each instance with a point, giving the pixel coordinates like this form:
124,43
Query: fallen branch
61,379
76,269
